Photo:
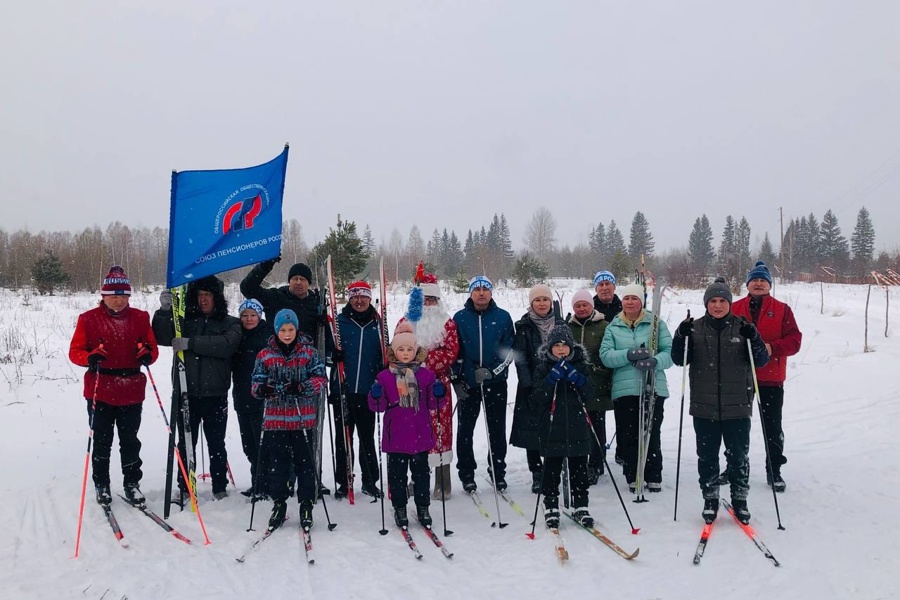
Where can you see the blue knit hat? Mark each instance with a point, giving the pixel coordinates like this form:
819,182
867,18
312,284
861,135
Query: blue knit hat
480,281
253,304
284,317
760,271
604,276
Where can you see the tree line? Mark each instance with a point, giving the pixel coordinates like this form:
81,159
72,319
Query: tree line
50,261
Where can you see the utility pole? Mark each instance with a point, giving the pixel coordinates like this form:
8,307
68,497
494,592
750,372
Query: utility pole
781,221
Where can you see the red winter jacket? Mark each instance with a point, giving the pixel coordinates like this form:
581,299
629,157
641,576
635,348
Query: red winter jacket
778,328
121,380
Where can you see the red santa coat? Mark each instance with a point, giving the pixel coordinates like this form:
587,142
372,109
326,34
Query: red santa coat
440,358
121,380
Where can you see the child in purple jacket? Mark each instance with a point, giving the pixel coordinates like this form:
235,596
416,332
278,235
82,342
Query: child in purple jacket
405,392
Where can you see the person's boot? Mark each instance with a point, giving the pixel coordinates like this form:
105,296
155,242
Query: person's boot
134,495
279,514
710,509
400,517
584,517
536,478
104,496
306,518
423,516
776,482
551,512
741,511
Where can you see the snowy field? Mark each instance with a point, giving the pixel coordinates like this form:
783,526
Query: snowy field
842,536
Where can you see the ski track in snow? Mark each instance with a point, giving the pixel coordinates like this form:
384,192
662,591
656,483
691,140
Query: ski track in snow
840,541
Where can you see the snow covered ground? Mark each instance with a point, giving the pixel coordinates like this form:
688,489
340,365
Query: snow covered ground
841,538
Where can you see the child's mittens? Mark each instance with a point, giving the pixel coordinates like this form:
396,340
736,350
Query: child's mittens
438,389
377,390
557,372
576,378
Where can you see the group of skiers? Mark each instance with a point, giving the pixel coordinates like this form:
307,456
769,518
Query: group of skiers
609,353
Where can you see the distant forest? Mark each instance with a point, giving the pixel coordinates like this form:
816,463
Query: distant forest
810,249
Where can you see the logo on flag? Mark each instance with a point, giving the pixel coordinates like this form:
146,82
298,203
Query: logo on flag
225,219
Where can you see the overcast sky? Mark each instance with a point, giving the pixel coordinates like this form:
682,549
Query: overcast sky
442,113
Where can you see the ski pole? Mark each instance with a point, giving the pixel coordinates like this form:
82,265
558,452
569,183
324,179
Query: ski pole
762,422
611,440
255,497
681,419
537,502
312,460
487,432
203,474
184,473
587,416
87,459
383,530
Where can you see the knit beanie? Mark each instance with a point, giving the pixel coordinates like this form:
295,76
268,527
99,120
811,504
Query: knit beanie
251,304
604,276
539,291
717,289
286,316
582,296
359,288
301,270
403,336
116,283
633,289
560,333
760,271
480,281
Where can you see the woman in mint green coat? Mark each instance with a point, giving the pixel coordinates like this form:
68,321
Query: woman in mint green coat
625,350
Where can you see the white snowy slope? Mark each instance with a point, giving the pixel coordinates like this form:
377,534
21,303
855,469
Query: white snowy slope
839,511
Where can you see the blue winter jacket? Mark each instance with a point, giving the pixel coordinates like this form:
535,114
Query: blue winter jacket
361,344
619,339
485,340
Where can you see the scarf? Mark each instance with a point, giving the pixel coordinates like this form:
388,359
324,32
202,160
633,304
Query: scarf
631,323
544,324
407,384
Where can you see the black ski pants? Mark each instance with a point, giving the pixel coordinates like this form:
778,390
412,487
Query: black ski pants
417,465
362,420
771,400
598,451
250,425
578,480
104,420
627,410
495,415
735,433
212,412
290,456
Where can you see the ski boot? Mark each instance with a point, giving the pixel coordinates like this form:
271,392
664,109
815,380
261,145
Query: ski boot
741,511
776,482
582,515
710,509
536,478
134,495
306,518
551,512
423,516
104,497
400,517
279,514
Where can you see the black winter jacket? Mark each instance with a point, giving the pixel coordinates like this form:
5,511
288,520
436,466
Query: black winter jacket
277,298
242,363
570,433
610,309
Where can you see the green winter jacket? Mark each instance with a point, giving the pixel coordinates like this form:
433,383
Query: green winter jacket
589,334
619,339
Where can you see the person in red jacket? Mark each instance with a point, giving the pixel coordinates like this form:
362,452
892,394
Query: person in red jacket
113,341
778,328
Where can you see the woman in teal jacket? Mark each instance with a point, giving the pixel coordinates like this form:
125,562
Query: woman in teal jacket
624,349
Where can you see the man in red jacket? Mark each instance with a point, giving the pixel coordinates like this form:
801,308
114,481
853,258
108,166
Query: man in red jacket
113,340
778,328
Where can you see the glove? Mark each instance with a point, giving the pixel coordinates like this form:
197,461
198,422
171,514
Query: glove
636,354
270,264
144,355
557,372
438,390
460,388
576,378
337,356
322,318
376,390
482,375
180,344
265,390
748,330
96,356
646,364
165,300
686,329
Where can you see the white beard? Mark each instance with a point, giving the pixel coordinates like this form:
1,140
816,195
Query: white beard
430,328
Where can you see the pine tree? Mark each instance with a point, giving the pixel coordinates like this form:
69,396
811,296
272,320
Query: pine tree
47,273
528,270
597,242
728,253
700,247
455,257
835,251
641,240
862,242
742,247
506,240
767,252
348,256
615,244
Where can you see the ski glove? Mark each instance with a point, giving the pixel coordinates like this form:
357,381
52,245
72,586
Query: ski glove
748,330
686,329
144,356
460,388
636,354
377,390
576,378
165,300
646,364
482,375
270,264
180,344
557,372
438,390
96,356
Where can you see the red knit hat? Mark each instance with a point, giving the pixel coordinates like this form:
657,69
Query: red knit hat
116,283
359,288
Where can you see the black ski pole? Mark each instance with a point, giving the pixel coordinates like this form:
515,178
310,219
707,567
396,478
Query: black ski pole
681,419
383,530
255,497
762,422
487,432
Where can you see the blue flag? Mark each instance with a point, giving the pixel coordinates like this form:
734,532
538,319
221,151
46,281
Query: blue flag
223,220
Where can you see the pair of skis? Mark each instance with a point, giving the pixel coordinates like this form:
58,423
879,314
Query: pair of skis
407,537
117,530
560,546
305,536
745,527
